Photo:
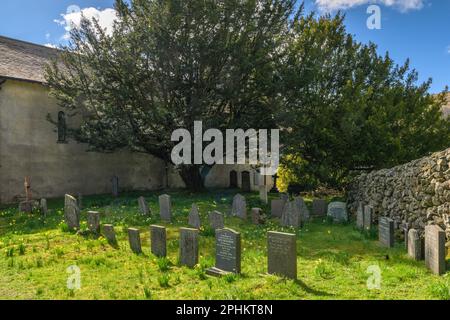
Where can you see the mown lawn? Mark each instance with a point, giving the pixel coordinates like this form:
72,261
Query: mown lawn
332,259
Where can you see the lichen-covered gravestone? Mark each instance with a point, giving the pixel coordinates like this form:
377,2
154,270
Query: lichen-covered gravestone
263,194
143,207
414,245
188,247
134,238
239,207
115,186
338,211
360,216
93,221
257,216
216,220
194,217
228,253
304,211
386,232
158,240
71,212
291,215
110,234
276,207
319,208
282,254
435,249
368,216
43,207
165,207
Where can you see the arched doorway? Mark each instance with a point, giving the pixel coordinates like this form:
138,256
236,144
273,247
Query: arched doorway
233,179
245,181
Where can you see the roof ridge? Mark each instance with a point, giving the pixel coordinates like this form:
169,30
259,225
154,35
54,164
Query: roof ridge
28,43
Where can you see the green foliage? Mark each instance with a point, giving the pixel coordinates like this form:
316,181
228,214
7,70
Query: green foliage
163,264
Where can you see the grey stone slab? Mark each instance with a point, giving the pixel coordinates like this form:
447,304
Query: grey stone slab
239,207
134,238
43,206
360,216
71,212
414,245
282,254
263,195
216,220
228,252
257,216
189,247
304,211
165,207
291,215
435,249
338,211
109,233
158,240
93,221
277,206
319,207
386,232
368,216
143,207
194,217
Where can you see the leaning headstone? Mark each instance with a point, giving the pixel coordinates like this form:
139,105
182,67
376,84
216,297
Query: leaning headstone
368,216
338,211
158,239
134,238
194,217
414,245
276,207
93,221
291,215
263,194
216,220
319,208
282,254
386,232
360,216
115,186
188,247
228,253
143,207
165,207
304,211
257,216
109,233
239,207
435,249
43,206
71,212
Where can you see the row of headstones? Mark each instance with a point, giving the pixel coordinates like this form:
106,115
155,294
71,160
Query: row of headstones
431,248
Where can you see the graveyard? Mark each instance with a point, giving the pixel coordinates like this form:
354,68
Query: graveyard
330,259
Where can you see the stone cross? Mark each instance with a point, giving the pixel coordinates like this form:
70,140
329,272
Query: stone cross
188,247
115,186
143,207
282,254
257,216
165,207
93,221
276,206
216,220
368,216
239,207
228,253
386,232
134,238
110,234
291,215
338,211
435,249
158,236
319,207
194,217
414,245
71,212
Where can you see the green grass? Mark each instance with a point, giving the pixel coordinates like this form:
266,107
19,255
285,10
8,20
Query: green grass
35,254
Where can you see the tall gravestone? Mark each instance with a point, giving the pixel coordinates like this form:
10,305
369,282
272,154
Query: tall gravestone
276,208
282,254
304,211
338,211
216,220
194,217
405,228
143,207
368,216
188,247
414,245
165,207
228,253
43,207
93,221
319,208
360,216
435,249
134,239
71,212
115,186
263,196
239,207
257,216
291,215
386,232
110,234
158,239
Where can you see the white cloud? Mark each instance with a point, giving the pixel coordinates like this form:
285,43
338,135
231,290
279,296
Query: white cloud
402,5
72,19
51,45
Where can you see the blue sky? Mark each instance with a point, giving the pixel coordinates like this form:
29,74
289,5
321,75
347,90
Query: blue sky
415,29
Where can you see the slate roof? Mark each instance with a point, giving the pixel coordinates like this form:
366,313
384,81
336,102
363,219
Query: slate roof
23,60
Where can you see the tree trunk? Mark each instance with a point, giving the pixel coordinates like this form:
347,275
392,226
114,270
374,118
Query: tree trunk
192,177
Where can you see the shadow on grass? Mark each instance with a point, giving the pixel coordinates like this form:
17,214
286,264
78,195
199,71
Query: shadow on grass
310,290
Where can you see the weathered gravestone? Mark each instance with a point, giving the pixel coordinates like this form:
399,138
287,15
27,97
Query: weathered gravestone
337,211
360,216
435,249
277,208
43,206
80,201
405,228
319,208
282,254
109,233
257,216
304,211
115,186
368,216
228,253
263,194
188,247
414,245
386,232
134,238
158,238
194,217
284,197
291,215
71,212
239,207
216,220
93,221
165,207
143,207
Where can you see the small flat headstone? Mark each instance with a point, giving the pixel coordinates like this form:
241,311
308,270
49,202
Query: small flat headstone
239,207
115,186
43,206
189,247
277,206
143,207
194,217
165,207
93,221
263,196
291,215
158,240
319,207
134,238
386,232
228,253
71,212
435,249
216,220
257,216
368,216
304,211
338,211
360,216
414,245
109,233
282,254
